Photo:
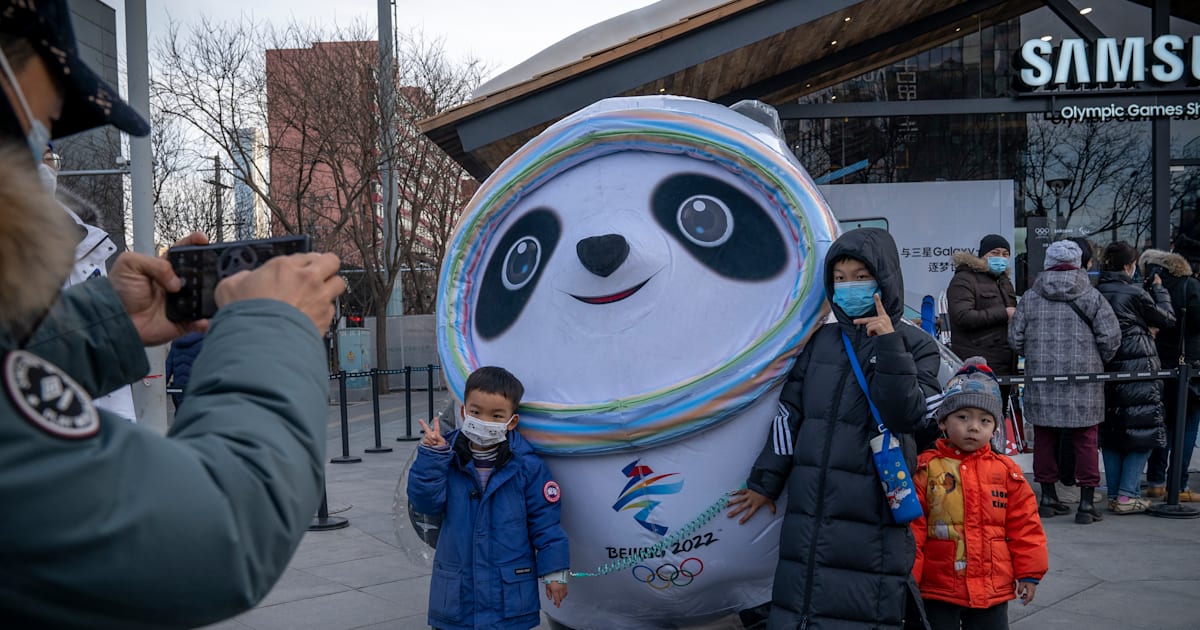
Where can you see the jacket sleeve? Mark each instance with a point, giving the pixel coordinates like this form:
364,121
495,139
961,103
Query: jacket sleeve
1156,309
1193,305
1016,327
88,334
126,529
960,304
769,475
919,527
543,514
1026,538
904,382
427,479
1106,328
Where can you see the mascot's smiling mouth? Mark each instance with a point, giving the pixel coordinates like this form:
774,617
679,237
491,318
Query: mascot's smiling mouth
609,299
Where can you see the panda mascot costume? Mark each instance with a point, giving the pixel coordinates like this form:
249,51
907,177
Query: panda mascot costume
649,267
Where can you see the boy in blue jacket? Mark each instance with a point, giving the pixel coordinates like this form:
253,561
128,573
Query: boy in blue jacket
501,515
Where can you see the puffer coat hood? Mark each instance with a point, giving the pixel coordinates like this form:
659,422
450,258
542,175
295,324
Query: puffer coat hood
1134,415
877,250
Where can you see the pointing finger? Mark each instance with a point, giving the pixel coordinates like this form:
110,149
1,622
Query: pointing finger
425,427
879,306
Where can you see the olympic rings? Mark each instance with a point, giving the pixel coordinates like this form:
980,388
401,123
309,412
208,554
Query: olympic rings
669,575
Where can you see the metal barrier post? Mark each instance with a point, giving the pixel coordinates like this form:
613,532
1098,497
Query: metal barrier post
323,521
1172,508
430,390
408,432
378,448
345,458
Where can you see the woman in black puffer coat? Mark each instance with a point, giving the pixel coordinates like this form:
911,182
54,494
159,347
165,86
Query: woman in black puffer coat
1134,416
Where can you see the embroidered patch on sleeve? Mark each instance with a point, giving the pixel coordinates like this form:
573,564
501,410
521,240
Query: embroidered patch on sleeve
551,492
48,398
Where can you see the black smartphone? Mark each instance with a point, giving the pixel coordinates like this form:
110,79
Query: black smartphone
201,267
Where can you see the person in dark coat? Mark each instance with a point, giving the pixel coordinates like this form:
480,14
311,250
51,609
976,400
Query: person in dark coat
179,362
980,300
1184,289
844,561
1063,326
1133,412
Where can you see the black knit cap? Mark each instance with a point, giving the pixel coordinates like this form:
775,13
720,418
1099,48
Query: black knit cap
992,241
89,101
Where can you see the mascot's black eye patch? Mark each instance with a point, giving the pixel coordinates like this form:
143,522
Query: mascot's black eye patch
720,226
513,271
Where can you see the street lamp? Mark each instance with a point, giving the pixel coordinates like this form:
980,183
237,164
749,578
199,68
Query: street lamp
1058,187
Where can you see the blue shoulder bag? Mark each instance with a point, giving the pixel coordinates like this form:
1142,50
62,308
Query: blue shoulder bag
889,460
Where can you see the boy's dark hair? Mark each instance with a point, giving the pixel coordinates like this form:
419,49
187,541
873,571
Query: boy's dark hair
495,380
844,258
1117,255
1085,250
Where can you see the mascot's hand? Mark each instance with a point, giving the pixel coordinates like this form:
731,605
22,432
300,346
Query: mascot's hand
748,501
556,592
433,437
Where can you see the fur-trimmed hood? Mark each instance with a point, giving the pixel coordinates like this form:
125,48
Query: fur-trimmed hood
37,241
1175,264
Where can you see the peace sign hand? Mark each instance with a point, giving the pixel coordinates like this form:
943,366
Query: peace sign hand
433,436
880,324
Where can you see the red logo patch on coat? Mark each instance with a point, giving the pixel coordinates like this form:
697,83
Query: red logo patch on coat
551,492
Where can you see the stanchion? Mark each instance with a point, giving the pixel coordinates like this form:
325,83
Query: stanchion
1172,508
408,432
323,521
345,458
379,447
429,382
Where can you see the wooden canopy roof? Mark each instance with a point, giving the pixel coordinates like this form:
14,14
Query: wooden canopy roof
771,50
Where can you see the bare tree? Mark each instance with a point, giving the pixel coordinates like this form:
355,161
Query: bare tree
315,90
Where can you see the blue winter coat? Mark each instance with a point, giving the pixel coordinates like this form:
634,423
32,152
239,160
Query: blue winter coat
183,354
494,543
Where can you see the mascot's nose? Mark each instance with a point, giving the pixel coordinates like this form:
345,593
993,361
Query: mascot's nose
602,255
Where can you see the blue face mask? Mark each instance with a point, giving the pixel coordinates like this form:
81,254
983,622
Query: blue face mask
997,264
855,298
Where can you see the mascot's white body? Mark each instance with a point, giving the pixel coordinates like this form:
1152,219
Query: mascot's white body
648,267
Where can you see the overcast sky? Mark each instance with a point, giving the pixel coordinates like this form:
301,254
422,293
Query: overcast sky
501,32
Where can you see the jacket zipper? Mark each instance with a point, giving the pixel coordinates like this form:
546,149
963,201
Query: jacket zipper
820,515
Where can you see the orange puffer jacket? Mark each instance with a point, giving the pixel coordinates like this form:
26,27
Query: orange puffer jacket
980,531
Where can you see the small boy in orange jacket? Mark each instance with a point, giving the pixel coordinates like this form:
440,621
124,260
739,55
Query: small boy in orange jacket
980,542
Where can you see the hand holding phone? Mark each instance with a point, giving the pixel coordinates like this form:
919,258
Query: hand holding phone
202,267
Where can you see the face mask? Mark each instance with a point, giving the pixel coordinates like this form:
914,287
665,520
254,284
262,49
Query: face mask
485,433
855,298
49,177
38,137
997,264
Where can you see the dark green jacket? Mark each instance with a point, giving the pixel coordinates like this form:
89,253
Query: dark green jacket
127,529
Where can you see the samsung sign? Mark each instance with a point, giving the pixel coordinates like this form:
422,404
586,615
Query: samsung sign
1166,60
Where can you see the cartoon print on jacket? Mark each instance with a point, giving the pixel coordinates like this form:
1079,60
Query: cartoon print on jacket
946,508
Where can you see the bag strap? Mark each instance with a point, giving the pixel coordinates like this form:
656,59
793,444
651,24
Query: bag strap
1079,312
862,384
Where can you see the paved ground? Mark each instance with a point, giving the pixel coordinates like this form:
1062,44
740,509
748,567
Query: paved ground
1125,572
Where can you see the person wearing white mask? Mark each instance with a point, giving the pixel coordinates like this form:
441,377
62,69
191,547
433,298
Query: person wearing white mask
501,513
91,261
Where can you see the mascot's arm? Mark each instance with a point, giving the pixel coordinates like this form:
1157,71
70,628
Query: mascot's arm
905,383
769,475
542,512
919,527
427,479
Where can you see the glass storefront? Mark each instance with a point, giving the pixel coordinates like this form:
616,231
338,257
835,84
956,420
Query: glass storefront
1089,179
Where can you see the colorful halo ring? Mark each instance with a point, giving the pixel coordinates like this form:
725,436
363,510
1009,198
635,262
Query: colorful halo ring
699,130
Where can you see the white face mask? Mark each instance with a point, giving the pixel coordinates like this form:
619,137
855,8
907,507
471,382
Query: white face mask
485,433
38,137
